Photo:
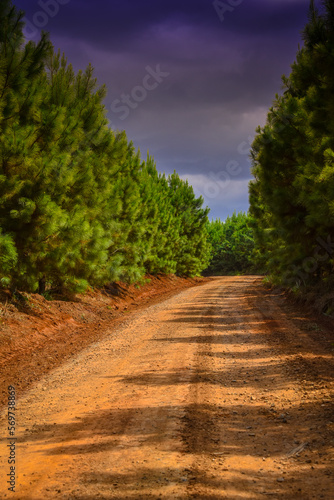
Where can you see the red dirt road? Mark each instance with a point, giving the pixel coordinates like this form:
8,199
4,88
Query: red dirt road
220,392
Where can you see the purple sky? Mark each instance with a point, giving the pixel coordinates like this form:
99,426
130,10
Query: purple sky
188,83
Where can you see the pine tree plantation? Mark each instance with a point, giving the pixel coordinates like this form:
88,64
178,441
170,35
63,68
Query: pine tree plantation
292,194
232,245
78,205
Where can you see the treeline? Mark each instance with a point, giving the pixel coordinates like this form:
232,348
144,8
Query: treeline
232,245
292,195
78,205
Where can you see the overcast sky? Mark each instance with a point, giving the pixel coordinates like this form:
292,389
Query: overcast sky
189,80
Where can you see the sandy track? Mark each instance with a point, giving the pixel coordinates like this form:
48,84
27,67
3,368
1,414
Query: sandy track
216,393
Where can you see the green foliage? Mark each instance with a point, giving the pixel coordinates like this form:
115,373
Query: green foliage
232,244
292,194
78,206
191,248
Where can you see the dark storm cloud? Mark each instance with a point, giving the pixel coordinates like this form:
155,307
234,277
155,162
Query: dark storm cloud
104,23
222,77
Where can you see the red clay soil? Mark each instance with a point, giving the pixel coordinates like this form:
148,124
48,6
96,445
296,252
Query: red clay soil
222,392
37,335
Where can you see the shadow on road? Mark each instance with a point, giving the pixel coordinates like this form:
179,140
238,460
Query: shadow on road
248,428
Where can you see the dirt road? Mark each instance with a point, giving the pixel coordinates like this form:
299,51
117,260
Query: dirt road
220,392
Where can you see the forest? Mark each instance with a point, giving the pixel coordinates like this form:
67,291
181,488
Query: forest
232,245
292,194
78,205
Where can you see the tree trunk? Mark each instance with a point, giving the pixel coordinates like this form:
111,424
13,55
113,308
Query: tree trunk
41,285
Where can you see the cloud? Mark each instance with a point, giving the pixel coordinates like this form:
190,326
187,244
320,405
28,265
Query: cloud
220,193
223,76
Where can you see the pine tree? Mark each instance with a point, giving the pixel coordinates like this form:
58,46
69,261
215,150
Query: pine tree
292,194
191,248
21,94
232,245
77,203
